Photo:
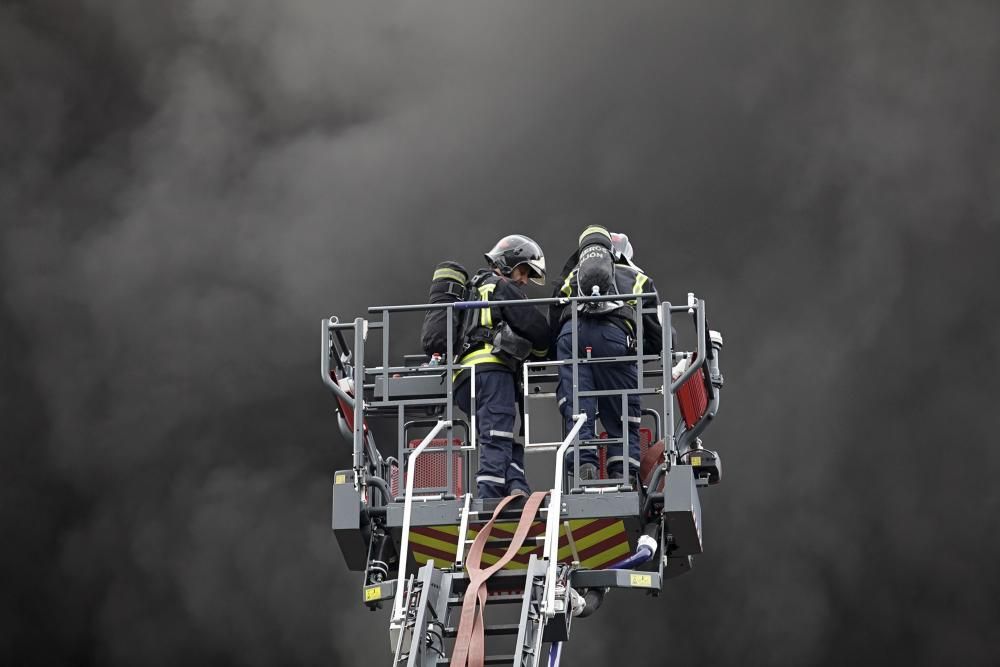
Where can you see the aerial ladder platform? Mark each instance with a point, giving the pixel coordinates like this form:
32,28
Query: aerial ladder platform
473,581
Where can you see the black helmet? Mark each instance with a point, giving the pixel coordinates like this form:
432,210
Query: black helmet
514,250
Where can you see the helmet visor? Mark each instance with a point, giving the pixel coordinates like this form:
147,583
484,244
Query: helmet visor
536,270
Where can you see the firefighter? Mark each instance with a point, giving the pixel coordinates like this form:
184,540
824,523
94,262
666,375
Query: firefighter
496,341
608,329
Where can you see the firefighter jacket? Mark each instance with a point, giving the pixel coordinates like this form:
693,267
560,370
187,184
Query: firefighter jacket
629,279
482,324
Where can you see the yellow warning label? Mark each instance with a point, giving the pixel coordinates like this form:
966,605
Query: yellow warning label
696,460
373,593
641,580
341,478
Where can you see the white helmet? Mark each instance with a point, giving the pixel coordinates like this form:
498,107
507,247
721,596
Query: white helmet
621,247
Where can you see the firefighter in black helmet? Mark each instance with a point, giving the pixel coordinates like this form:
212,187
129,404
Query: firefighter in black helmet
497,340
608,328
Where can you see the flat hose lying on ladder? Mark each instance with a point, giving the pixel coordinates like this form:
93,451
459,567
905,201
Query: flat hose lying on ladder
470,642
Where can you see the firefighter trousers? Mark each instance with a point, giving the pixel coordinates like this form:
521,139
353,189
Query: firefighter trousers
501,456
606,339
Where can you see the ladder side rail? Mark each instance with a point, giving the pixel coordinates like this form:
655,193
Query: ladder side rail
416,610
531,627
551,549
439,610
397,607
399,638
419,654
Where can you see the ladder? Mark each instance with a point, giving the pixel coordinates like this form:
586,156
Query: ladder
434,606
427,633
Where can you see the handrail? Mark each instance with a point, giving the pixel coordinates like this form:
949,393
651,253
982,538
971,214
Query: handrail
551,549
397,605
519,303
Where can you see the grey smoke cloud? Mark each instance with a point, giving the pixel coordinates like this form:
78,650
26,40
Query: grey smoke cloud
189,187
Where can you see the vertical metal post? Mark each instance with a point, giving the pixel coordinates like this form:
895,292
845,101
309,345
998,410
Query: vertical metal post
525,420
401,442
385,355
640,384
360,330
324,355
575,340
449,363
626,441
639,335
702,351
666,353
448,408
473,433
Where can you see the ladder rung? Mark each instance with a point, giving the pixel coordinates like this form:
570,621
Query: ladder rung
490,630
490,599
490,660
498,541
502,574
506,515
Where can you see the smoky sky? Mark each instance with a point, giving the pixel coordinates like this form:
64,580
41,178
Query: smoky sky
188,187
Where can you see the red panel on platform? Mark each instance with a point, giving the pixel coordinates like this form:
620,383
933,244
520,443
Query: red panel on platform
430,469
645,440
692,397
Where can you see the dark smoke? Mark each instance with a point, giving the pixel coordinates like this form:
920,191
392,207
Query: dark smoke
187,188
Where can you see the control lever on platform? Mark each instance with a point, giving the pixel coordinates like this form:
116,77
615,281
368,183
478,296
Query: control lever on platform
713,359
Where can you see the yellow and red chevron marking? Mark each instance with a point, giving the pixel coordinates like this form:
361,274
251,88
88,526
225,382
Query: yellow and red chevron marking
598,543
